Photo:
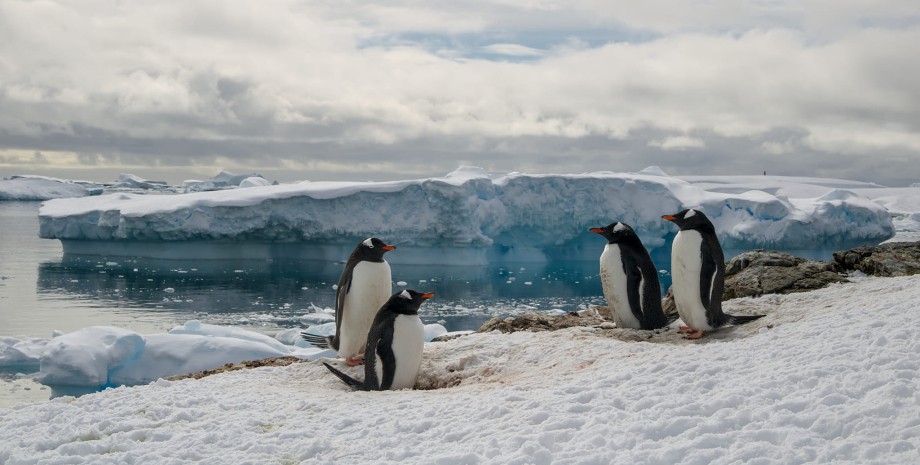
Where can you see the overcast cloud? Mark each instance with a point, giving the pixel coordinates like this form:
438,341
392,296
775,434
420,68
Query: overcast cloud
297,90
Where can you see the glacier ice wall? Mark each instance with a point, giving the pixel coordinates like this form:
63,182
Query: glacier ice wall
468,214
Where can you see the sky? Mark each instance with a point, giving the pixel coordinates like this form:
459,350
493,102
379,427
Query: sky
344,90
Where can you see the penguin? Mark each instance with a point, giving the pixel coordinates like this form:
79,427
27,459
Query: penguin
698,274
394,345
629,279
365,285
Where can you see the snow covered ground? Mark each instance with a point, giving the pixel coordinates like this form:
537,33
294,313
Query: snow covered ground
828,376
469,215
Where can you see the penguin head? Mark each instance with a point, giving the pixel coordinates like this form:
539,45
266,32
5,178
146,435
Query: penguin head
372,249
615,232
690,219
407,302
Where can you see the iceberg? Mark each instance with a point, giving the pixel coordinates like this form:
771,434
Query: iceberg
468,216
42,188
225,180
130,181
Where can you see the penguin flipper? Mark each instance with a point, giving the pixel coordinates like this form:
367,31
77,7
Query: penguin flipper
344,287
323,342
351,382
741,319
633,285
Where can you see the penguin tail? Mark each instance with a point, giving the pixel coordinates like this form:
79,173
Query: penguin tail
742,319
351,382
323,342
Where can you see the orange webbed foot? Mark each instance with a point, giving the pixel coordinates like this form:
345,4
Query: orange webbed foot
685,329
354,361
695,335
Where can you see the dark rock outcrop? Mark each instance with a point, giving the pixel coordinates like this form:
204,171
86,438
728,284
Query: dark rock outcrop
760,272
891,259
544,322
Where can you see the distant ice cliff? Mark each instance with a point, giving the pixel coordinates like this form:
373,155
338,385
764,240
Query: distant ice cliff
472,216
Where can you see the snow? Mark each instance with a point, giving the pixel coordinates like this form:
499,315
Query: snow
473,217
826,377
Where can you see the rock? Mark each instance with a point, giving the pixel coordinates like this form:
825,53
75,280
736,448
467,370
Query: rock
761,272
544,322
265,362
891,259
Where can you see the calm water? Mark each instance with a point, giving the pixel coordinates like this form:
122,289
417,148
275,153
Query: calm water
43,290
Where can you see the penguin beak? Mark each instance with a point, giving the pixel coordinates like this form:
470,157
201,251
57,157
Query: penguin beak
389,247
428,295
669,217
597,230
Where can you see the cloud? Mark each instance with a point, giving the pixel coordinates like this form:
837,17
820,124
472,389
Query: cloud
514,50
412,87
678,143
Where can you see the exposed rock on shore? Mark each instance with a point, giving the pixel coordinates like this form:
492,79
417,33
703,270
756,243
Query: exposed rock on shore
545,322
760,272
892,259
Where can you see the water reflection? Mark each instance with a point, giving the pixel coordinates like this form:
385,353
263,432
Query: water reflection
281,292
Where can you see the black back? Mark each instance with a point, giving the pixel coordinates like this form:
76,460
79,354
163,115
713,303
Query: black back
370,250
637,263
380,341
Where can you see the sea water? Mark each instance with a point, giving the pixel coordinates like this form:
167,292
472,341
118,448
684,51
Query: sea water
42,290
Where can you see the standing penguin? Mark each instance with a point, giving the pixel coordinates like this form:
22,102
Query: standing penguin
629,279
365,284
698,273
394,345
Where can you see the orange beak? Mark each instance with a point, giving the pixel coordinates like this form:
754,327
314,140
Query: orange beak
597,230
669,217
428,295
389,247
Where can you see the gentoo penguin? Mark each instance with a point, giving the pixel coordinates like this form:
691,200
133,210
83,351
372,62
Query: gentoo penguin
365,284
629,279
394,345
698,275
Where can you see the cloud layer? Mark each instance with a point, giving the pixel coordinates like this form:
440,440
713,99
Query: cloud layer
346,90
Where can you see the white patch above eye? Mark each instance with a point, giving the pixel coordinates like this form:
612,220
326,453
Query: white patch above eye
690,213
405,295
620,227
367,242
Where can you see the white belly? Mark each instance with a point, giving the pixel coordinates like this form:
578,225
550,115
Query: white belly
613,280
371,286
686,265
408,345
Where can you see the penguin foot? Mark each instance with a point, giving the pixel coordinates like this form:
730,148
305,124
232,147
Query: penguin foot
354,361
695,334
685,329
